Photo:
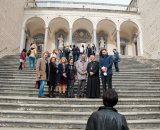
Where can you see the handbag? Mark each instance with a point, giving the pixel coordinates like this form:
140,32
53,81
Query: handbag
23,65
37,84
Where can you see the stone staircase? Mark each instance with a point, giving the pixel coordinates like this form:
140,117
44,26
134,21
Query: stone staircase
137,84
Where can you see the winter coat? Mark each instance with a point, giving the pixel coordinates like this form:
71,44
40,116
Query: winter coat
106,118
106,61
41,73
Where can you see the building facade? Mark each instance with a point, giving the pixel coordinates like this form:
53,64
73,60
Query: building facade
133,29
47,25
11,19
149,10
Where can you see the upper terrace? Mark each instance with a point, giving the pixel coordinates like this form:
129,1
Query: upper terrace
66,5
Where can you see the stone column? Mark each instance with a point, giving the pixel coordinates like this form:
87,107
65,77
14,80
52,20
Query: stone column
118,42
70,37
95,40
46,38
140,44
22,42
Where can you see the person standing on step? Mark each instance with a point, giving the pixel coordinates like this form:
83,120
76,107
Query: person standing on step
71,76
105,64
93,82
22,58
116,60
74,53
52,76
62,77
81,67
93,50
107,117
88,51
32,56
42,71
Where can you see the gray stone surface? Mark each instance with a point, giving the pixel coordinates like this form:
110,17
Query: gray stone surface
137,85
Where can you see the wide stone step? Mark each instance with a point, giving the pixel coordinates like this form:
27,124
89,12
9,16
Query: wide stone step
120,92
115,77
69,124
137,80
35,94
114,83
71,115
77,101
23,128
74,108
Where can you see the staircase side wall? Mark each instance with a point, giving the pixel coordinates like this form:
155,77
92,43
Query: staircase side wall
149,10
11,17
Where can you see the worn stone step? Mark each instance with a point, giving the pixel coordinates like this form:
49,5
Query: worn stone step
69,124
115,77
74,108
120,92
71,115
23,128
77,101
35,94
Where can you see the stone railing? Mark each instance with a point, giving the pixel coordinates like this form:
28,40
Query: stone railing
4,49
147,54
9,51
81,6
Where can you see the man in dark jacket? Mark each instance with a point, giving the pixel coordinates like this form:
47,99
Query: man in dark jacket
105,64
116,60
107,118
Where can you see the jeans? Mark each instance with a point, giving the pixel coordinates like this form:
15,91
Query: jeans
32,62
41,89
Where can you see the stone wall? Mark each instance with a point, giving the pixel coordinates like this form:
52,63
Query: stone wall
11,18
149,10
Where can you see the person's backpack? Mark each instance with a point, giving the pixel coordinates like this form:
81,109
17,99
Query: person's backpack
29,52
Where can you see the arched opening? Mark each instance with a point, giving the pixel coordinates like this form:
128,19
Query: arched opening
82,32
35,29
58,33
129,35
105,35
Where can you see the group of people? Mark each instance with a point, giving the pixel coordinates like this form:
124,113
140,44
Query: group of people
71,64
32,52
74,52
61,76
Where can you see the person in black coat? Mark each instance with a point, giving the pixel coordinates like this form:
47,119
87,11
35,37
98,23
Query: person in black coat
71,76
93,82
74,52
105,63
62,77
52,76
88,51
116,60
107,117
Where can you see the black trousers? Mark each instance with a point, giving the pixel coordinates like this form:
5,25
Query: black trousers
116,66
20,65
106,81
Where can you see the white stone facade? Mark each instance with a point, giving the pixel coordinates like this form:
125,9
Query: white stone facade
11,18
149,10
139,30
114,24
